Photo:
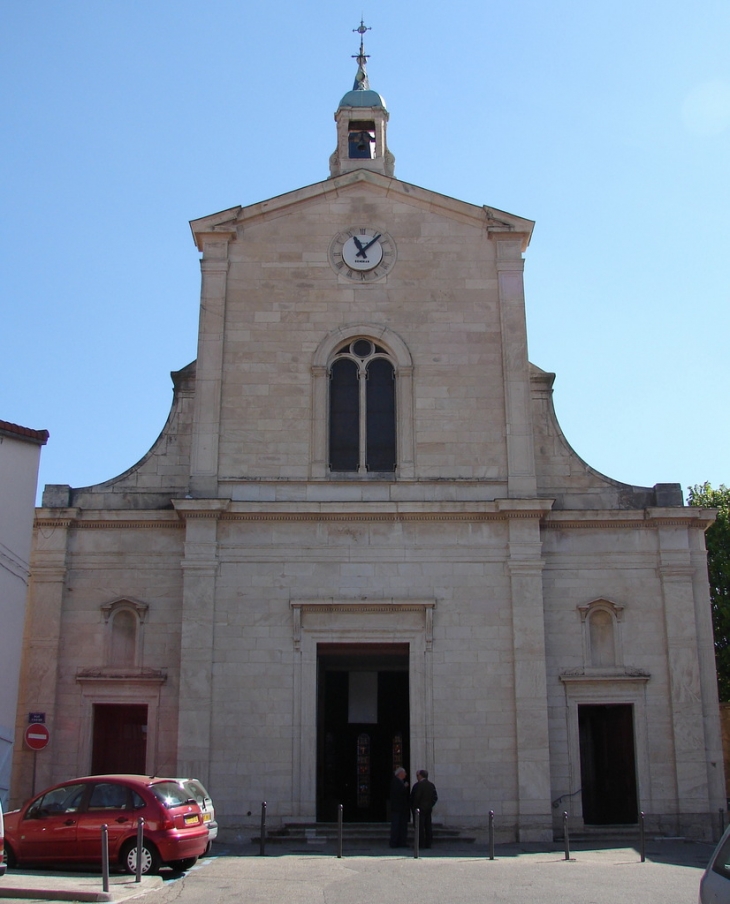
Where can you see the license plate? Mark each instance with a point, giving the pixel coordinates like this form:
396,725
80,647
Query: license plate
191,820
206,817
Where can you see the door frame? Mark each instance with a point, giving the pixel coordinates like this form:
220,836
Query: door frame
601,691
357,621
131,690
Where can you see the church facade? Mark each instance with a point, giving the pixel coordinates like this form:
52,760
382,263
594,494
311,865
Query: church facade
361,540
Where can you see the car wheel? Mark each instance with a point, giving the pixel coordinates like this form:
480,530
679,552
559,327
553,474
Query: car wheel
11,860
150,858
208,849
181,865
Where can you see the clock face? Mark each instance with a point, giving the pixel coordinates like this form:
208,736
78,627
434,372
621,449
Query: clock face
362,253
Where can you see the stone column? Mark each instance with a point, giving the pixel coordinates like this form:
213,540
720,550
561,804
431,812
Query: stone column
39,676
520,443
677,575
200,567
525,564
209,367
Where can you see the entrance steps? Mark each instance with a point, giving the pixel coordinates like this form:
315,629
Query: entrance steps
628,834
361,834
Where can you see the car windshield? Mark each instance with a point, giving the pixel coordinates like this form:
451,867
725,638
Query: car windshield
170,794
721,863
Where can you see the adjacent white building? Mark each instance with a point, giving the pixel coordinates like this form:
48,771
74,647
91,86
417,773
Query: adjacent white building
362,539
20,451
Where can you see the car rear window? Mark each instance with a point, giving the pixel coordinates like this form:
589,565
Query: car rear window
170,794
195,790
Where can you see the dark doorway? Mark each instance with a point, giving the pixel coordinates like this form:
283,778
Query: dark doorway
607,764
362,728
119,739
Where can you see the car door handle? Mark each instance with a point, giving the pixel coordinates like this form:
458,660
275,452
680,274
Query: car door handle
70,822
122,819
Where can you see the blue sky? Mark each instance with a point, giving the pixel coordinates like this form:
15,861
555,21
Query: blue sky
607,124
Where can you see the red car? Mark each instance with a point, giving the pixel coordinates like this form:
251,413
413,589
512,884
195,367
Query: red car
63,824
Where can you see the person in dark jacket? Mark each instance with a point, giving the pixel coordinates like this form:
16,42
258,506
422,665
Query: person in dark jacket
423,798
399,808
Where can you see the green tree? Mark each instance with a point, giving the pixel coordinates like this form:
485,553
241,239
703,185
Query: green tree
718,567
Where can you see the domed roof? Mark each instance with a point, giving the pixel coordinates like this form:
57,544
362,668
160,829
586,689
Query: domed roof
362,98
361,95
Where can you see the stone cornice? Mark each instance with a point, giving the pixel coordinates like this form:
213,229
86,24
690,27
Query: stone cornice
200,508
588,676
126,524
386,605
225,222
639,519
128,676
366,511
365,604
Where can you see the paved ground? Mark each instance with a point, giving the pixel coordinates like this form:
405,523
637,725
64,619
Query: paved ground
520,873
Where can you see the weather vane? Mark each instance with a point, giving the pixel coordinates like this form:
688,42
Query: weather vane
361,79
361,57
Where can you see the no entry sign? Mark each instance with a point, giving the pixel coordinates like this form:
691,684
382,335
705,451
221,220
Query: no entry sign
37,737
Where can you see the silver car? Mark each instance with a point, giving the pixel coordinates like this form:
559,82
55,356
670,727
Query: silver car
196,790
715,883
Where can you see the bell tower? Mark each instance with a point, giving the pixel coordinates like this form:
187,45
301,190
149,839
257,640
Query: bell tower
361,119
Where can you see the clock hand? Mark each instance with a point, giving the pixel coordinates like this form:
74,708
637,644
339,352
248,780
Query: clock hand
371,242
359,246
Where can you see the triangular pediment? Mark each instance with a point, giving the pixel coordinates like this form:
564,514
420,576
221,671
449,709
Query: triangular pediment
228,221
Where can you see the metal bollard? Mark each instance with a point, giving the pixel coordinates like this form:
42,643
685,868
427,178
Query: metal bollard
105,857
339,831
491,834
642,837
262,839
140,848
566,837
416,832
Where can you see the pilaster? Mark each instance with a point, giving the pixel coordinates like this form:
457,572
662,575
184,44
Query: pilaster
200,568
209,368
520,443
708,674
525,566
39,678
677,574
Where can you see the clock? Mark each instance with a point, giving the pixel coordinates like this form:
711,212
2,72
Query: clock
362,253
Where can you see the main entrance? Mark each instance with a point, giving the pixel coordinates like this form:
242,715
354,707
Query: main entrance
362,727
607,764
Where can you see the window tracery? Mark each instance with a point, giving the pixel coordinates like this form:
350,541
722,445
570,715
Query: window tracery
362,415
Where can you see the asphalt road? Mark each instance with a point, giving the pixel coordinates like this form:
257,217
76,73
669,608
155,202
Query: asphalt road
615,876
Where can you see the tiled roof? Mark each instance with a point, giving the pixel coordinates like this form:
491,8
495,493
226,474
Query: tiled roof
15,430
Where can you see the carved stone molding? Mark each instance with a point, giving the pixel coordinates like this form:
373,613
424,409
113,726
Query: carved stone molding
128,676
125,602
586,675
359,606
601,603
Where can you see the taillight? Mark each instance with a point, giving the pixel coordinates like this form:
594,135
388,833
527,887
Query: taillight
166,823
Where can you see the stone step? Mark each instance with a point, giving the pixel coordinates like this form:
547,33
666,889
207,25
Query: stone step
374,833
589,834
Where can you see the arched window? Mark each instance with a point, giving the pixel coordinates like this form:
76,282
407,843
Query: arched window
362,405
362,409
